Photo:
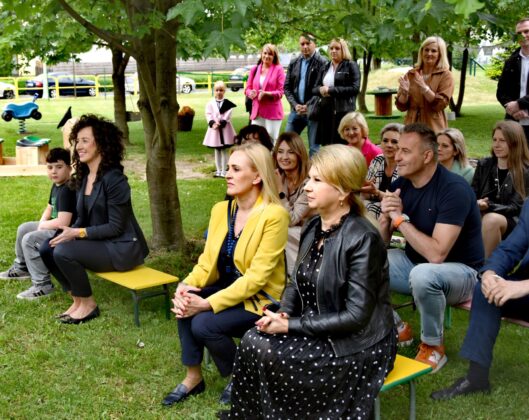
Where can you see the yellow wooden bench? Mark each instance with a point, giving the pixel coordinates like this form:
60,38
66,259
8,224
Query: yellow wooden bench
404,371
139,279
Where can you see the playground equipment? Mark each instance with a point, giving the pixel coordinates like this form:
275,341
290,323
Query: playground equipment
21,112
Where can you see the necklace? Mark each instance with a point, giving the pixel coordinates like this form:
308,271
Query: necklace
500,183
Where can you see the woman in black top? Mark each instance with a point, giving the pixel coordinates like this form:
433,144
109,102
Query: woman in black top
337,85
501,183
106,235
328,350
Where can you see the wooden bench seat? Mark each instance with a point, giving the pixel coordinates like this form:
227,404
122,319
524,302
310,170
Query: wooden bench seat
405,370
139,279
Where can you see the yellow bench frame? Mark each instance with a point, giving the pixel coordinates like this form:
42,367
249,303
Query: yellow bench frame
405,370
141,278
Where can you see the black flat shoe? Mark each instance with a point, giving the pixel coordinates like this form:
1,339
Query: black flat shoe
180,393
460,387
225,397
67,319
223,414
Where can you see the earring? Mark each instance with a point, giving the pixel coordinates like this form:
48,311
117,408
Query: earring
341,203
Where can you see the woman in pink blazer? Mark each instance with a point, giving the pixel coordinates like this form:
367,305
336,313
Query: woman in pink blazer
265,89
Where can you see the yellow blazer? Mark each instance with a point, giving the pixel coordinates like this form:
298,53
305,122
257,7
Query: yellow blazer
258,255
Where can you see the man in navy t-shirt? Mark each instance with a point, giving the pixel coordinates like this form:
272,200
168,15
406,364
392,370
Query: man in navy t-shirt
436,211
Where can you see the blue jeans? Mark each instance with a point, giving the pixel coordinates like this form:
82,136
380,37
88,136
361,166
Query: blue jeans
297,123
432,286
484,326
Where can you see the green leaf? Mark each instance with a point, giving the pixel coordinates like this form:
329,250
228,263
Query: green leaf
188,10
466,7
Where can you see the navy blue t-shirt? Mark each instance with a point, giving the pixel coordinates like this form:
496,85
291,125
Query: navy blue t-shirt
446,198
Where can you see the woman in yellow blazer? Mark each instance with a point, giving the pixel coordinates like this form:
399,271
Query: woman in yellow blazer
241,270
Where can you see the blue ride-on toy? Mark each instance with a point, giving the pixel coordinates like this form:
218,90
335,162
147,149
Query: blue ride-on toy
22,112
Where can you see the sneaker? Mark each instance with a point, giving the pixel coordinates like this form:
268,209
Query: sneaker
405,334
217,175
14,274
36,292
432,355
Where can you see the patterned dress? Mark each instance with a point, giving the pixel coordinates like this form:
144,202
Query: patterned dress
283,376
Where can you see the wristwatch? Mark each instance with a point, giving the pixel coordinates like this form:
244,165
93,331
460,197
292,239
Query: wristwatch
82,233
403,218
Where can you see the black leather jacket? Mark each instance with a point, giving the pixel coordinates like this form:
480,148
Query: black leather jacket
509,83
352,292
346,85
509,203
293,74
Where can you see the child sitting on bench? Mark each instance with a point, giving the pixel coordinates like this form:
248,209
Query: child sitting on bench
30,235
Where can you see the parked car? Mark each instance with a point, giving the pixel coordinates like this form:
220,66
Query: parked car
183,84
238,77
67,85
7,90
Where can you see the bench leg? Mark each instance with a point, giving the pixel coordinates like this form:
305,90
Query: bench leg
167,301
448,317
377,408
135,301
412,400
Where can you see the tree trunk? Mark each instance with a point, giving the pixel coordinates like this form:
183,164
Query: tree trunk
366,60
119,64
156,69
377,64
456,107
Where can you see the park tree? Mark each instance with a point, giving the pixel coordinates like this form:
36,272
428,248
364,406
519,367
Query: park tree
43,29
150,37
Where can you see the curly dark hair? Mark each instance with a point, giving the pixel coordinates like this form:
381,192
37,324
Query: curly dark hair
109,140
250,130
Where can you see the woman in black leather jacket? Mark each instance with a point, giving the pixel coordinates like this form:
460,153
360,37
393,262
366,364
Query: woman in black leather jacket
501,183
328,349
338,84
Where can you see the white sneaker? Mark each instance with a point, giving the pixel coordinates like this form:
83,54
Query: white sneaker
36,292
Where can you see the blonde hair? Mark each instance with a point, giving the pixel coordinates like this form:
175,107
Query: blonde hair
295,142
261,161
272,48
219,83
518,159
345,169
442,62
353,118
458,142
346,54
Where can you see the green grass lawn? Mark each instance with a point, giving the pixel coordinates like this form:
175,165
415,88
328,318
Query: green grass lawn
54,371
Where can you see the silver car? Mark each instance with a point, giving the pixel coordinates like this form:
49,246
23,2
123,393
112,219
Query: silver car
7,90
183,84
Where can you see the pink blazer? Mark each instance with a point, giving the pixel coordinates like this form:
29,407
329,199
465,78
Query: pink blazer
270,108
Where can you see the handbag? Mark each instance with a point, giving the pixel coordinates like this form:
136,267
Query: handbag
314,108
248,102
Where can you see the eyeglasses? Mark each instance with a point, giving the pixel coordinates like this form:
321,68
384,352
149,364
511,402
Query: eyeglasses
392,141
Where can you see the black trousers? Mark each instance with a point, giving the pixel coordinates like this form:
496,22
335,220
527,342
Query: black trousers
69,260
215,331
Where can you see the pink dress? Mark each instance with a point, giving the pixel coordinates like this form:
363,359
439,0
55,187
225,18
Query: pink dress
224,135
